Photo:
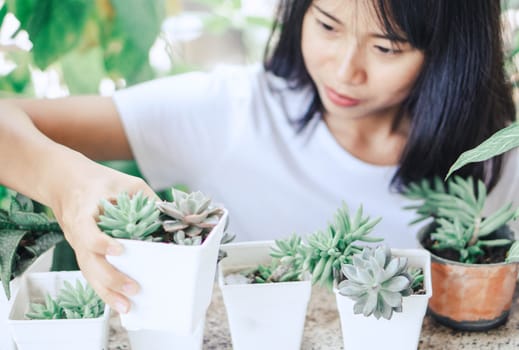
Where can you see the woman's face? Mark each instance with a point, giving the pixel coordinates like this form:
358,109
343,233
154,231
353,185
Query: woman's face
357,69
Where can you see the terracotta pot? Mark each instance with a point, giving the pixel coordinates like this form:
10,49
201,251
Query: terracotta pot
473,297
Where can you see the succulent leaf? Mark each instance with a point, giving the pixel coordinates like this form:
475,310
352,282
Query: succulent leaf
24,236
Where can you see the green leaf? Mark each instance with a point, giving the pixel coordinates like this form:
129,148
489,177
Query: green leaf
127,38
9,241
83,70
499,143
54,26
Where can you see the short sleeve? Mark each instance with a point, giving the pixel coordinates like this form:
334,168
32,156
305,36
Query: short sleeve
180,126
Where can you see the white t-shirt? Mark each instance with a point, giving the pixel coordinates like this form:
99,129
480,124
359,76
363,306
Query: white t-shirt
227,133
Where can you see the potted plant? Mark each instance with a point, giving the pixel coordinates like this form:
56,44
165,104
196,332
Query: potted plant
473,274
265,293
384,292
27,240
171,250
58,310
394,284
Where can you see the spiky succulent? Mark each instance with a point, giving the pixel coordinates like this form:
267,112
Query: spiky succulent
24,236
376,281
190,217
327,250
457,209
286,264
72,302
133,217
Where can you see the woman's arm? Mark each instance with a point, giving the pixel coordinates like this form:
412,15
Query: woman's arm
71,185
87,124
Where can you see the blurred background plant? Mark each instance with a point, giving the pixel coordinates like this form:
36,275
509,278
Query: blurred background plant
53,48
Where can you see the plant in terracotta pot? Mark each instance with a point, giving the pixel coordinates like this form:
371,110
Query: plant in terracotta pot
26,244
270,273
58,310
184,235
392,284
472,271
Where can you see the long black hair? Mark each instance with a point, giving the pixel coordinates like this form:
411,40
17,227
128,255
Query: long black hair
461,96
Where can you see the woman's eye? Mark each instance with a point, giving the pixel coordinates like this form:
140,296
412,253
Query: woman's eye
325,26
387,50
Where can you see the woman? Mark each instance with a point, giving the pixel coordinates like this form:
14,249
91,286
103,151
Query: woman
355,100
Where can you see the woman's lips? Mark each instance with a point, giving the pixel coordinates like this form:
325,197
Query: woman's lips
340,100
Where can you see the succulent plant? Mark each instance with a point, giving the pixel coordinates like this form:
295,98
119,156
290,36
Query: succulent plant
190,217
377,282
327,250
24,236
71,303
457,210
286,265
186,220
130,218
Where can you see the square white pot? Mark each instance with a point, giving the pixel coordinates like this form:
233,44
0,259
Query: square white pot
42,264
176,282
64,334
402,331
162,340
262,316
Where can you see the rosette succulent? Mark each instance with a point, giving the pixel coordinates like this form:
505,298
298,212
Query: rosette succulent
72,302
377,282
189,218
130,218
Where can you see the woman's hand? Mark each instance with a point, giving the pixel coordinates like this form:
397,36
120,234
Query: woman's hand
77,205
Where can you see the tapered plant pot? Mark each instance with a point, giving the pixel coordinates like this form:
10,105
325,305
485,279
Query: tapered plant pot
262,316
403,330
42,264
472,297
62,334
167,340
176,282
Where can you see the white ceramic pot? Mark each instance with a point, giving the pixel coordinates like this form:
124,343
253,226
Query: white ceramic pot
42,264
402,331
262,316
64,334
161,340
176,282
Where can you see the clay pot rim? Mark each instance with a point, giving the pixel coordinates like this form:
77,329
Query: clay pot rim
435,258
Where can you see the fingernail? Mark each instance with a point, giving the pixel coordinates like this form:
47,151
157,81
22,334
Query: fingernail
130,289
121,307
114,249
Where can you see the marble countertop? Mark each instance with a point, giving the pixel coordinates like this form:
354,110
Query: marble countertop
323,330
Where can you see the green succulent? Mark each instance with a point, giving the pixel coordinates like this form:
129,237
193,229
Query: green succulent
457,210
133,217
48,311
327,250
377,282
24,236
513,253
189,218
72,302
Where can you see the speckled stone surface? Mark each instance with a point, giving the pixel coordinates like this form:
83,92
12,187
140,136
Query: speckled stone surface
322,329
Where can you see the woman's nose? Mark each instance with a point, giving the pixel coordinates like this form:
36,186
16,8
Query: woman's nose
351,65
